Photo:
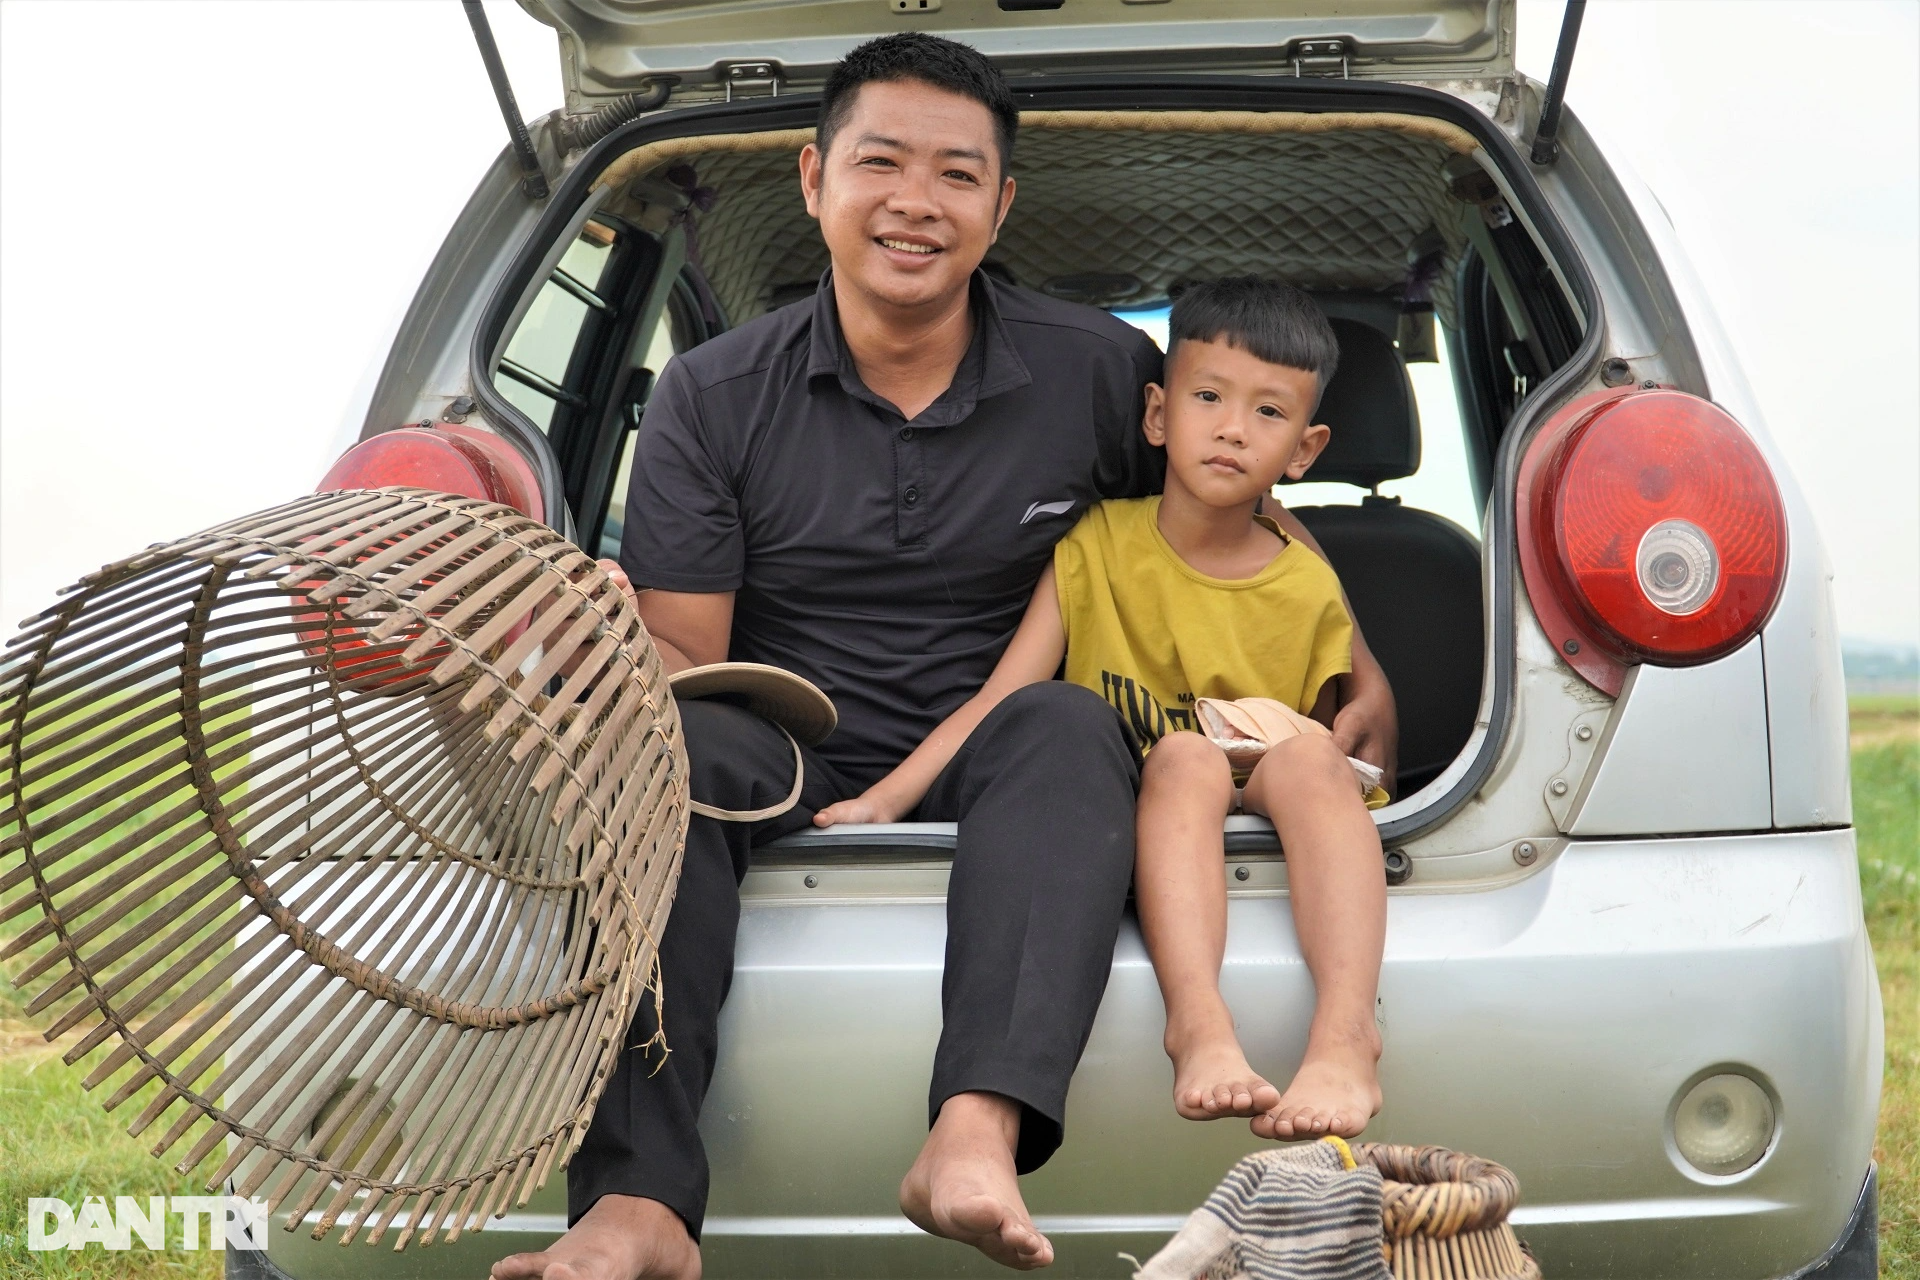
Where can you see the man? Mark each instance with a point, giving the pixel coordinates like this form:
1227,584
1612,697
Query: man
863,488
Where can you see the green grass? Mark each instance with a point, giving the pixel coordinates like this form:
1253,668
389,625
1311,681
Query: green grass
1886,814
56,1141
1886,809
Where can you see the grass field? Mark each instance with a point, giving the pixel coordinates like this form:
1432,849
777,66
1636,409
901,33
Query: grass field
1886,811
55,1140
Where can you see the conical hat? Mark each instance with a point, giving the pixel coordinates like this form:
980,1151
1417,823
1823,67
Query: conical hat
343,855
793,702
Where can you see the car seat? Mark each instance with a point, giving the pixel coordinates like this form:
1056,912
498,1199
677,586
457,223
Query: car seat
1413,577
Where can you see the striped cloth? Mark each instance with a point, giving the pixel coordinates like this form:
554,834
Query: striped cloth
1288,1213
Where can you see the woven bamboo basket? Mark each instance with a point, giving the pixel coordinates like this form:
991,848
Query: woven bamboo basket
1445,1215
350,827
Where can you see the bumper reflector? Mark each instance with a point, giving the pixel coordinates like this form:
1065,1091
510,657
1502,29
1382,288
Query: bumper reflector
1724,1124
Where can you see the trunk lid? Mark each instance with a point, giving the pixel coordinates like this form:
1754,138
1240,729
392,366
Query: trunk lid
728,48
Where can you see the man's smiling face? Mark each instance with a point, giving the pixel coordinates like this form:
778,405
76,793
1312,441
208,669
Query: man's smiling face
910,193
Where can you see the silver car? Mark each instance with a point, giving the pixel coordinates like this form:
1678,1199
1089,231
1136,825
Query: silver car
1625,954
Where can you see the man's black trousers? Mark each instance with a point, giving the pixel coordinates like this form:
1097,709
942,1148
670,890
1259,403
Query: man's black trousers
1043,792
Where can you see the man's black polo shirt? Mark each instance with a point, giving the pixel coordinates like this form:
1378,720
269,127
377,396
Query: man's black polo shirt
887,561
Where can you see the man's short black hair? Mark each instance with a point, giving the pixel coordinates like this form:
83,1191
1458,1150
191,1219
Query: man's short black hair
915,55
1268,320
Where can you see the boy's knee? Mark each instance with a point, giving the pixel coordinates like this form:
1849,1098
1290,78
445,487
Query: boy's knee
1306,760
1187,755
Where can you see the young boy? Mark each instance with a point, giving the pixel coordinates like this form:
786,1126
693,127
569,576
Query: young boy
1156,602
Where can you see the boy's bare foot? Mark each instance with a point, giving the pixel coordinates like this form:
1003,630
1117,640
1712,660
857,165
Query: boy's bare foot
1336,1090
1211,1078
963,1186
619,1238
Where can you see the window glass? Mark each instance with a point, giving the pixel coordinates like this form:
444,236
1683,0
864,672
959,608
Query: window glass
586,258
537,406
535,363
659,350
1442,485
1153,321
544,341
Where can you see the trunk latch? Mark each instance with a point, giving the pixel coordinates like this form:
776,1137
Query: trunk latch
743,75
1317,57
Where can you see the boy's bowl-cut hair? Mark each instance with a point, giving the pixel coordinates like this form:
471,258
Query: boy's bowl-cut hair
935,60
1267,319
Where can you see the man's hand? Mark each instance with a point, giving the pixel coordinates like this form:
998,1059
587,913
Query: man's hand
866,808
618,576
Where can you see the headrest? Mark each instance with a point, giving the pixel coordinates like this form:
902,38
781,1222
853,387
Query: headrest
1369,404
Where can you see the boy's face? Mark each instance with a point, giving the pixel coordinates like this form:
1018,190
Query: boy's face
1231,423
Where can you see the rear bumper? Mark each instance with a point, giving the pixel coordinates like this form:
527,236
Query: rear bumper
1547,1023
1856,1254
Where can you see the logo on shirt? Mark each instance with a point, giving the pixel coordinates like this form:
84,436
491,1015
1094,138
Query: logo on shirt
1039,509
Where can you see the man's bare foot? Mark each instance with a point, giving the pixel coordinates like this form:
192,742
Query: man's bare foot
963,1186
619,1238
1211,1078
1336,1090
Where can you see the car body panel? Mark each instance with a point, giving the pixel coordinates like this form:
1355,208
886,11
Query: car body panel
1807,696
427,367
1684,750
1806,689
611,47
1646,324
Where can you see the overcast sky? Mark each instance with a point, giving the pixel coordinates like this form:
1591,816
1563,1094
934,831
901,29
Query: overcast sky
212,214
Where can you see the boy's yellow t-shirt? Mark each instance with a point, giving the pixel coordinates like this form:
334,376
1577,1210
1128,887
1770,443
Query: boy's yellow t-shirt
1149,633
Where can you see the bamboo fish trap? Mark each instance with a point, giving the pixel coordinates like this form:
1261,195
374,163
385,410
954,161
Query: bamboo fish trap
1445,1215
343,855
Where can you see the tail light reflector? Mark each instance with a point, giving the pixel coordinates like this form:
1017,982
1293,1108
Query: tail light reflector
1651,530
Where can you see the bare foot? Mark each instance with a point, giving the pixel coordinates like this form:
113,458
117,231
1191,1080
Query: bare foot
1211,1078
963,1186
1336,1090
619,1238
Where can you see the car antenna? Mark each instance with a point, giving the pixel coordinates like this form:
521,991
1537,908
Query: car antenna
1546,142
532,181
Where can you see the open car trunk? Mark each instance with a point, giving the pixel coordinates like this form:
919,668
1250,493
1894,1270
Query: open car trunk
1399,221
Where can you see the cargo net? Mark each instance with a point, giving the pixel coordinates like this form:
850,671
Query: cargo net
300,853
1347,202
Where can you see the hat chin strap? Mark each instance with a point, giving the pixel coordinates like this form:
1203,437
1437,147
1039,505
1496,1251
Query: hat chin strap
772,810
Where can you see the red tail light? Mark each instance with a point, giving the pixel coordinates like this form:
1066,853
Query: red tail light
1650,531
448,458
